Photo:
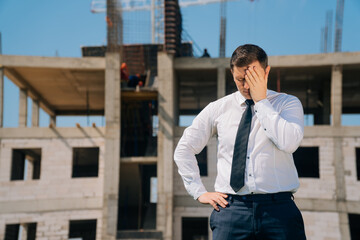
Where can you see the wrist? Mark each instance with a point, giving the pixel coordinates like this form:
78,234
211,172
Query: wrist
259,99
200,195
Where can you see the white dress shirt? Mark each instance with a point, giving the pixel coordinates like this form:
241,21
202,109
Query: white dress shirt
277,129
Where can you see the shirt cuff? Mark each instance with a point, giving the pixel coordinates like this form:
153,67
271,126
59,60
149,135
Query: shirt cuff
263,108
198,194
197,190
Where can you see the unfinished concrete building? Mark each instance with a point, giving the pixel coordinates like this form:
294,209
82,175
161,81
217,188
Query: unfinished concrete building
110,182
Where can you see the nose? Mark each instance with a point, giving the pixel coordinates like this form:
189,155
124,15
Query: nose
246,85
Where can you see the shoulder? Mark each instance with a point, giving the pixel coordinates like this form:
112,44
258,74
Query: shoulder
280,96
282,99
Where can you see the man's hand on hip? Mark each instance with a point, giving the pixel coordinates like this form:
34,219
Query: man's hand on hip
214,198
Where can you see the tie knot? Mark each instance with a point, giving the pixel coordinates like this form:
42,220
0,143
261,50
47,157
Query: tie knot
249,102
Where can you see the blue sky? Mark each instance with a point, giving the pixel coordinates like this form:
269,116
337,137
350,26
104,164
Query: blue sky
281,27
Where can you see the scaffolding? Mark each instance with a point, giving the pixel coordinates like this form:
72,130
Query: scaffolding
114,26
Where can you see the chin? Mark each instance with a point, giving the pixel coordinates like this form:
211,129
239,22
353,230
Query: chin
247,96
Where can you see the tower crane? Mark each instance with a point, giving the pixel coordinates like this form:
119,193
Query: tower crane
156,8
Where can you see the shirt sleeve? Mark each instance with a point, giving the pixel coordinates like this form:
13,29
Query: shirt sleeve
284,128
194,139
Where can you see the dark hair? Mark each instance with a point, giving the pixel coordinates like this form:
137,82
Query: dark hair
247,54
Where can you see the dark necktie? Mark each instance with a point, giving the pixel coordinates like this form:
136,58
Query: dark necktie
240,149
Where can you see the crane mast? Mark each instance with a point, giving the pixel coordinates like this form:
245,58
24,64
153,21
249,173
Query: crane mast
339,24
222,28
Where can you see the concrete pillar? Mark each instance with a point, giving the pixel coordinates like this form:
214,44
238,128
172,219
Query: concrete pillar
23,108
53,120
336,95
339,170
2,231
112,146
35,111
167,120
336,111
1,97
344,226
341,188
221,82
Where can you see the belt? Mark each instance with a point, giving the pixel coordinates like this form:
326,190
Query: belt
261,197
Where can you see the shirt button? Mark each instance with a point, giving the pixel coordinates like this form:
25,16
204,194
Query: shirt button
247,157
264,129
250,175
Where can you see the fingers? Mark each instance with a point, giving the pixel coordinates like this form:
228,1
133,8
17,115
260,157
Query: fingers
219,200
223,195
214,204
249,81
257,73
223,202
253,76
215,199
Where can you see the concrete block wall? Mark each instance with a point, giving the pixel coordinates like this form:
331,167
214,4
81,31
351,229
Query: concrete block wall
56,197
351,182
51,225
325,186
56,168
322,225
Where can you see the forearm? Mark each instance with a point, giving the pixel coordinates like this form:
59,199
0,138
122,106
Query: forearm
284,129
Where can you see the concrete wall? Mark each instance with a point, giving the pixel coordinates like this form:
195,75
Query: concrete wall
56,197
352,184
325,186
56,168
322,225
52,225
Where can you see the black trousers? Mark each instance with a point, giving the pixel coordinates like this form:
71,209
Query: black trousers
258,216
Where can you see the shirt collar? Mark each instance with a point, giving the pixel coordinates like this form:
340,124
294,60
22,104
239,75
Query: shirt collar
241,99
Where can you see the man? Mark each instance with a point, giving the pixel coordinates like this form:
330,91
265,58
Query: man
257,131
205,54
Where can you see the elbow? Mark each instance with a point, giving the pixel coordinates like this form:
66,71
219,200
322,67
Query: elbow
177,153
289,148
292,142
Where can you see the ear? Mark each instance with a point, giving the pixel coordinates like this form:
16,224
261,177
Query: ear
267,70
